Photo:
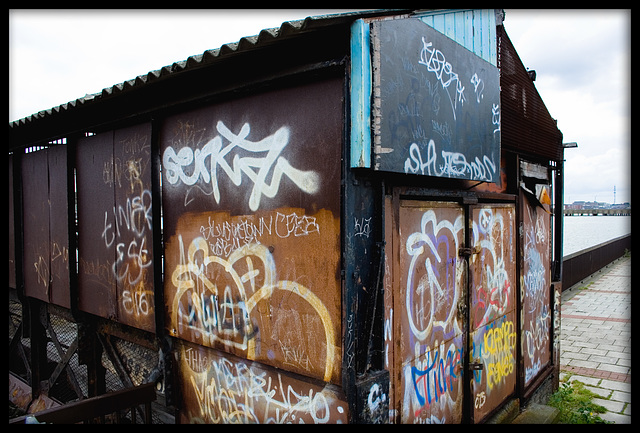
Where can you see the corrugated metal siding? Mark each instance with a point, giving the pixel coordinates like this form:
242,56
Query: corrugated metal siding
526,125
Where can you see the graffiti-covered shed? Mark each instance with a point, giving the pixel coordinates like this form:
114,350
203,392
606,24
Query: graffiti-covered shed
345,219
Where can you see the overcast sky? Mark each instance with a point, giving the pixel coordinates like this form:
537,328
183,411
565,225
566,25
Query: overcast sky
582,60
583,65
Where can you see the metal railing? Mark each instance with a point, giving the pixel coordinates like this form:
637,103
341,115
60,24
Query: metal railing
581,264
96,409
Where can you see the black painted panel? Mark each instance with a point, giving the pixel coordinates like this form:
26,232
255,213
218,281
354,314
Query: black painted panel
438,104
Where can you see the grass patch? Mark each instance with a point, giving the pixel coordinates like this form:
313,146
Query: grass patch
585,287
573,401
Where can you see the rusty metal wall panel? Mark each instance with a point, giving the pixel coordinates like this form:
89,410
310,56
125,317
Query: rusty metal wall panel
96,251
428,329
132,224
115,275
59,225
251,201
220,388
46,225
35,208
495,346
492,286
535,280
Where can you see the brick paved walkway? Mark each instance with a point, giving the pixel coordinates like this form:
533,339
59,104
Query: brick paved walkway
595,337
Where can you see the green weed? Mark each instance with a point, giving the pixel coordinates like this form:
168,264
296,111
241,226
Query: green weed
573,401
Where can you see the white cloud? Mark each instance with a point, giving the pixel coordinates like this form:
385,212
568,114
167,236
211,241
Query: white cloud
590,177
582,60
56,56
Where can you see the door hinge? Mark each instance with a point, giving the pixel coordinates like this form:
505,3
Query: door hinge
476,366
462,309
466,252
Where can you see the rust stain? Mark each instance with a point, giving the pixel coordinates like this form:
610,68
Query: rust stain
492,283
115,233
430,329
263,286
220,388
535,280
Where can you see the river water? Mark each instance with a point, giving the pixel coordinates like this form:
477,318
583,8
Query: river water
581,232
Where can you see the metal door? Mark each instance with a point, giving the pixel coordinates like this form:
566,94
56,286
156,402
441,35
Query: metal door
428,329
447,301
535,276
492,307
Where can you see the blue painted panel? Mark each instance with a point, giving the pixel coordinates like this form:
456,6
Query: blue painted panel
360,95
473,29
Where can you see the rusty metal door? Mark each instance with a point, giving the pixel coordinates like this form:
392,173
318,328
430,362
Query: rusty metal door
428,328
447,302
492,307
535,276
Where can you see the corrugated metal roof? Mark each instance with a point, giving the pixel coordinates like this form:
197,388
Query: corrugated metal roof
264,38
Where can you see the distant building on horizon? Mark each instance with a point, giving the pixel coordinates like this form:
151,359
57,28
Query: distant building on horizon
581,204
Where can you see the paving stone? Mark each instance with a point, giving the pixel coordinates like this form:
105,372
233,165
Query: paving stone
608,346
611,406
578,355
615,385
585,344
602,392
621,396
596,351
581,363
603,359
593,381
617,354
616,418
595,322
566,345
624,361
613,368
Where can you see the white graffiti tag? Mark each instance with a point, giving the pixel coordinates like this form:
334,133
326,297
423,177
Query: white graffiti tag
429,286
454,164
436,62
174,164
